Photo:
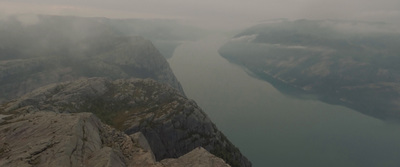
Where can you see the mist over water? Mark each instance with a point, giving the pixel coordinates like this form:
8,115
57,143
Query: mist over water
270,128
273,129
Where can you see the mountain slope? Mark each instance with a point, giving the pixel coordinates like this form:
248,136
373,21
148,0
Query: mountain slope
172,124
60,48
348,63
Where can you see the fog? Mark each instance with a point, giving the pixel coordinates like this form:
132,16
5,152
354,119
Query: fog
347,35
214,14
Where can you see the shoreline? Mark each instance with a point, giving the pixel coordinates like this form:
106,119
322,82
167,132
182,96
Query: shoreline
294,91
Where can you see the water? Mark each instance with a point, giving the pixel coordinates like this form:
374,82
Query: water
273,129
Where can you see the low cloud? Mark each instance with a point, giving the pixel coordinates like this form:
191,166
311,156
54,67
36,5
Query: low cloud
232,14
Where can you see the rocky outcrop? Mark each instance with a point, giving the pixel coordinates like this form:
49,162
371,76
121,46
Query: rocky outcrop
198,156
53,139
53,49
56,49
172,124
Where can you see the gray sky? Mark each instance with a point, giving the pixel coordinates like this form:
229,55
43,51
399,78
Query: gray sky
215,13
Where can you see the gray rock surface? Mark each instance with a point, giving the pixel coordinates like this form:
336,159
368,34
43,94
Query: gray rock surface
53,139
172,124
199,157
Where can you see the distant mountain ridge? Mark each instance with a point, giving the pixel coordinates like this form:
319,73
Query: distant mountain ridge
342,62
56,49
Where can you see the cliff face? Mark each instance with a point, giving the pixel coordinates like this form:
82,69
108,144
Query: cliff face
52,139
172,124
56,49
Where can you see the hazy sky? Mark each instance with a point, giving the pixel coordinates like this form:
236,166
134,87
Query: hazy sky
213,12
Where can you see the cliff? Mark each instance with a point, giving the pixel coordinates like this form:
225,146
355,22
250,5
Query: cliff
172,124
51,59
53,139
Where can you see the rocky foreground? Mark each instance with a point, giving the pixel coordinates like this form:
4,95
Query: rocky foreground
172,124
53,139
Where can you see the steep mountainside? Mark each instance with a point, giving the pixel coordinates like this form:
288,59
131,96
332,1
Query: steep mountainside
349,63
166,35
172,124
56,48
52,139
